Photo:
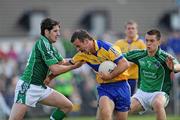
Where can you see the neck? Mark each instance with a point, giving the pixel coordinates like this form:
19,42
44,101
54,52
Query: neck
130,39
93,50
152,53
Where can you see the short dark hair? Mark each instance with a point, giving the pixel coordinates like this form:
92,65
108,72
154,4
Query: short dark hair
131,22
81,35
48,24
155,32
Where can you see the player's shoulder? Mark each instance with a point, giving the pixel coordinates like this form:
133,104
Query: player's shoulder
104,44
163,54
120,41
139,51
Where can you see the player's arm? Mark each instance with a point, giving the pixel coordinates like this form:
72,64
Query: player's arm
177,68
121,67
66,61
57,69
173,64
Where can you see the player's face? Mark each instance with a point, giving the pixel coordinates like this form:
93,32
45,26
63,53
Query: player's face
53,34
152,43
131,30
82,46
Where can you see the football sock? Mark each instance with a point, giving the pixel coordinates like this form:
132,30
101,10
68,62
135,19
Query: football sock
57,115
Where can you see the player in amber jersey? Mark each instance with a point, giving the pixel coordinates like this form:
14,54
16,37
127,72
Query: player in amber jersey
131,42
113,89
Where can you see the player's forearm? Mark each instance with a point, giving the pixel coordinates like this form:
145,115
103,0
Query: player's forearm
177,68
66,61
121,67
59,69
52,76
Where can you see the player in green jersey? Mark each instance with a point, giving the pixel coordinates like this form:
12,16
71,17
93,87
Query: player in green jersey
156,69
43,60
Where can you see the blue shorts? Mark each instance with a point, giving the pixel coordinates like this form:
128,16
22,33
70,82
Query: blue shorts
132,83
118,92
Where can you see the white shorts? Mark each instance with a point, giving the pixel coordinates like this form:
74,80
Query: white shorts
146,99
30,94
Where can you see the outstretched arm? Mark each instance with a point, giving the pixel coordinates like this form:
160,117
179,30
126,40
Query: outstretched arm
171,65
60,68
177,68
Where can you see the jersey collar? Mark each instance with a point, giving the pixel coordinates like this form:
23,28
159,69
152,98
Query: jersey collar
134,39
44,38
158,52
96,45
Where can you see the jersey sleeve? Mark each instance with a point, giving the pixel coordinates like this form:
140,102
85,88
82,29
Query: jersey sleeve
133,55
142,44
49,54
115,54
78,57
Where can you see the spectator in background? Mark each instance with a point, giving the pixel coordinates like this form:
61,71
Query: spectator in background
4,108
2,54
70,50
173,44
12,53
130,42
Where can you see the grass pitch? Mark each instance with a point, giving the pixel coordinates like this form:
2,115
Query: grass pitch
131,117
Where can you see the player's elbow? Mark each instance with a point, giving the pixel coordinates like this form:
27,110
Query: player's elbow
54,70
126,64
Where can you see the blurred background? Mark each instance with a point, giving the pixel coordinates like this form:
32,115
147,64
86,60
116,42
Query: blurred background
104,19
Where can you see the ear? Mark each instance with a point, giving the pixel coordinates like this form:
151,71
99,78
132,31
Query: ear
46,32
86,41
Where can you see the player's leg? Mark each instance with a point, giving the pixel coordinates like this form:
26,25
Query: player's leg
158,104
106,108
121,115
135,106
98,114
61,102
21,102
122,101
18,111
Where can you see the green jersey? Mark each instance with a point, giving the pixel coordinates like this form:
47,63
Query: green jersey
42,56
154,74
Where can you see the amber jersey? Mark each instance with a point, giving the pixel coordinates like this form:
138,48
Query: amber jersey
104,51
126,46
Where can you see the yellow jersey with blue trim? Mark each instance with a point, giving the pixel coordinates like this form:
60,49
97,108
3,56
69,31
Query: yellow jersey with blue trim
126,46
104,51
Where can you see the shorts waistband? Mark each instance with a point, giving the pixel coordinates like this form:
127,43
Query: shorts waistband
112,83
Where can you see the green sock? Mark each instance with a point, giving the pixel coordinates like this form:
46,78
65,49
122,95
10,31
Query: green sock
57,115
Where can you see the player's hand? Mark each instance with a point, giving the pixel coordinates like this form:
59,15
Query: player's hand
77,65
105,75
170,63
47,81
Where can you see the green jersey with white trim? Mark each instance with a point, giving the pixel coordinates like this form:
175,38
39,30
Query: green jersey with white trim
154,74
42,56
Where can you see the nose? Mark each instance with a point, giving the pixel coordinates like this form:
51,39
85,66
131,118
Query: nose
78,49
58,33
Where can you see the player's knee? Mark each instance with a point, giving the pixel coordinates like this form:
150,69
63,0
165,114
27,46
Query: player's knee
105,113
158,105
67,107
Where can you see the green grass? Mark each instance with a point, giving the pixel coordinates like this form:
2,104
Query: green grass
134,117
